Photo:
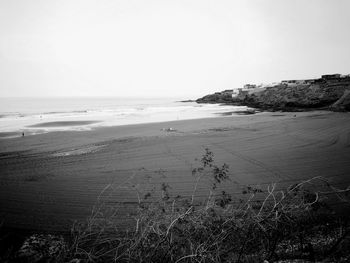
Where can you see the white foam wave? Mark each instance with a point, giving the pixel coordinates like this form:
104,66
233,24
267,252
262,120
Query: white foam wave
107,114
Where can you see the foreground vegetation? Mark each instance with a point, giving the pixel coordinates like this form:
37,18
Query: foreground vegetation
271,224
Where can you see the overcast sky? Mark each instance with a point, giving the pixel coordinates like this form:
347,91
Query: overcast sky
167,48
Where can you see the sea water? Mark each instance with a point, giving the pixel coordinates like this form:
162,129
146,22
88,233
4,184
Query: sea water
41,115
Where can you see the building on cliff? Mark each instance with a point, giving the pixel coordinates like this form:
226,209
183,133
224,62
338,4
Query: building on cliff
294,81
249,86
246,90
329,79
235,93
308,93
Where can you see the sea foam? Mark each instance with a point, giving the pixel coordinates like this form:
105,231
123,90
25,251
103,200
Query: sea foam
40,115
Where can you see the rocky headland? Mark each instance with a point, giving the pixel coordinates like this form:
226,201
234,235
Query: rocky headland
330,92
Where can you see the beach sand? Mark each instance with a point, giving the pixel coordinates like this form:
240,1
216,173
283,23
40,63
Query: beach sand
62,124
47,181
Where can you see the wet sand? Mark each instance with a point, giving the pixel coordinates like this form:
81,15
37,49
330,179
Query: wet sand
62,124
47,181
9,134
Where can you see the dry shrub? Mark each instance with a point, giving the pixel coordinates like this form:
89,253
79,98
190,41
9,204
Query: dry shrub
271,224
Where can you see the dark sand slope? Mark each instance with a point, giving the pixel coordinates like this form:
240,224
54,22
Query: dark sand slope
49,180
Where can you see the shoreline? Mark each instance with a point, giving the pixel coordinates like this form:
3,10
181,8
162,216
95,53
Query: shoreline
85,124
59,115
98,133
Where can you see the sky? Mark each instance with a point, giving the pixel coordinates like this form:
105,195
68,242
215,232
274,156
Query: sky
162,48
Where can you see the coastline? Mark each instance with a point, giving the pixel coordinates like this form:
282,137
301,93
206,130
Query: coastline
28,117
54,140
50,180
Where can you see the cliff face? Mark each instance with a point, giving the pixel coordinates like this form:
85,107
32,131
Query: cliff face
320,94
282,97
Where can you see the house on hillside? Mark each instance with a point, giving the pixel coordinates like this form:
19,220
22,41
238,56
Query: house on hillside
295,81
291,81
235,93
247,89
249,86
227,92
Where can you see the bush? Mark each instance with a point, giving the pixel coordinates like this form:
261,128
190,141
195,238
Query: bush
271,224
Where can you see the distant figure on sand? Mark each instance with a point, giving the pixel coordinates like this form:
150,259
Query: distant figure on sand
22,134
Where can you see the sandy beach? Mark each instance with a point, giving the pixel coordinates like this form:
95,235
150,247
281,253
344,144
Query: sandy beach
47,181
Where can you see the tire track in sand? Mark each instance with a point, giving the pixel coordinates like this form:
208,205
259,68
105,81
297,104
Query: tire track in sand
255,162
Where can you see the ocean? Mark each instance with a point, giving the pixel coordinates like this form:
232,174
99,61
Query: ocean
41,115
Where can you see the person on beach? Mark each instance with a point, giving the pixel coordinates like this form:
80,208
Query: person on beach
22,134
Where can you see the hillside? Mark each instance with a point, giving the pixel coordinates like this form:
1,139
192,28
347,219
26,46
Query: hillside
329,92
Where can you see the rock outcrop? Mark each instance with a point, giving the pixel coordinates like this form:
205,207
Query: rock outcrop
283,97
322,93
218,97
